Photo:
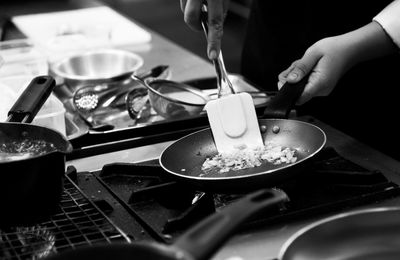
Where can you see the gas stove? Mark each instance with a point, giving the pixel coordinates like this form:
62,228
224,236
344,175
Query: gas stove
128,202
165,208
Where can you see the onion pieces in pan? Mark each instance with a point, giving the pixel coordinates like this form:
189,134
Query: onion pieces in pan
244,157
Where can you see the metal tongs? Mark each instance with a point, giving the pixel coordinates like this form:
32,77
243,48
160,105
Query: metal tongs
225,86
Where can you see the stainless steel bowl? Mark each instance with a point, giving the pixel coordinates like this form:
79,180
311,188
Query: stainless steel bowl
95,67
173,100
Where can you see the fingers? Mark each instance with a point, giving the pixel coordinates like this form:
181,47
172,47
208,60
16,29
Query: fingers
216,16
302,67
310,89
298,70
183,5
191,13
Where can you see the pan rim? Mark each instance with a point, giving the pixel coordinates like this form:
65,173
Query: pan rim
302,231
68,149
242,176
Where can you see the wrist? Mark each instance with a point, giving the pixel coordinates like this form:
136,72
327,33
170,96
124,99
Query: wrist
369,42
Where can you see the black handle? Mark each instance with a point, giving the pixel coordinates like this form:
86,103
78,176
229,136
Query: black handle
284,101
4,24
32,99
206,237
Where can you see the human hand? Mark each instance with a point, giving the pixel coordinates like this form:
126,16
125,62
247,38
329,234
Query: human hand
324,63
328,59
217,10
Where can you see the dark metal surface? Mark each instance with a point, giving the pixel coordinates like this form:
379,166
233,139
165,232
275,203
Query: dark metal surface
31,186
199,242
184,158
129,133
365,234
76,222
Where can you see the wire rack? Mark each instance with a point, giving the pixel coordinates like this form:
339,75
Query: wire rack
78,222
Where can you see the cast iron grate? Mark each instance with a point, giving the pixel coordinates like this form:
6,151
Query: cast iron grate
166,208
78,222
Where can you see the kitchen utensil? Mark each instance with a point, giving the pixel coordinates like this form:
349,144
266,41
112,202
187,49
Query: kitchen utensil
88,98
232,117
199,242
65,94
4,24
174,100
167,97
183,159
32,162
368,234
135,101
95,67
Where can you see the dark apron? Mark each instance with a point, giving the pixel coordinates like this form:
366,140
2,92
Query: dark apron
366,102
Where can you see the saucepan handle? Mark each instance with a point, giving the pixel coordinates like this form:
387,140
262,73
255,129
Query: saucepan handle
206,237
32,99
284,101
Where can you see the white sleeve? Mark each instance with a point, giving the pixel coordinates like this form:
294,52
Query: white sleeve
389,19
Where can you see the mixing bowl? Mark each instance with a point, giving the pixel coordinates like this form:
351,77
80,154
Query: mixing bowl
95,67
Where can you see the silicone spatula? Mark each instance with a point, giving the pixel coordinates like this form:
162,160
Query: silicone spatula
232,117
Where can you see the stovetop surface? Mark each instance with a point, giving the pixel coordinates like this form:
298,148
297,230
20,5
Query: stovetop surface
164,208
140,202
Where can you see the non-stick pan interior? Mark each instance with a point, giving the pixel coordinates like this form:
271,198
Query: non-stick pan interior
186,156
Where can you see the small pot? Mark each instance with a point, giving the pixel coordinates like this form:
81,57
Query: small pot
30,179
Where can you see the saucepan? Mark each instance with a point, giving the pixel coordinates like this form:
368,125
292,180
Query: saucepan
199,242
369,234
32,159
174,100
184,158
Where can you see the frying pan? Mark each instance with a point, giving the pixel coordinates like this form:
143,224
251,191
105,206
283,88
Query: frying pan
369,234
199,242
30,186
183,158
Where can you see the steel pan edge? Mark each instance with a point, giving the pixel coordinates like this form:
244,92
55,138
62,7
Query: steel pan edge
294,238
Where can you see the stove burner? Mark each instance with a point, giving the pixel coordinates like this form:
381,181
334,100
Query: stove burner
168,207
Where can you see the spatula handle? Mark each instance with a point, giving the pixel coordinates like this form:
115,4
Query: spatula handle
225,87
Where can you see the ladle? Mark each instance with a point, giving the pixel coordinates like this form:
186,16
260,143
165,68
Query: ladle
89,98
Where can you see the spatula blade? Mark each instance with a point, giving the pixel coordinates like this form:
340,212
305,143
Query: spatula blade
233,122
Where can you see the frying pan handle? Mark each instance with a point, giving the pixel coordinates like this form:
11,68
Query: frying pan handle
32,99
284,101
206,237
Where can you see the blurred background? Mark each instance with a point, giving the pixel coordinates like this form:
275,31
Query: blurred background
164,17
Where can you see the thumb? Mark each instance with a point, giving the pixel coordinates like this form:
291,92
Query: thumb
302,67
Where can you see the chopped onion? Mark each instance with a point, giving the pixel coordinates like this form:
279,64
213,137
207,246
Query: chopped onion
243,157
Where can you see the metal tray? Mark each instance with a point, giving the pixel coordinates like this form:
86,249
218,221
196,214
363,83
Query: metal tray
127,133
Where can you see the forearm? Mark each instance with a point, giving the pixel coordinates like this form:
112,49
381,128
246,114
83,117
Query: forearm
369,42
